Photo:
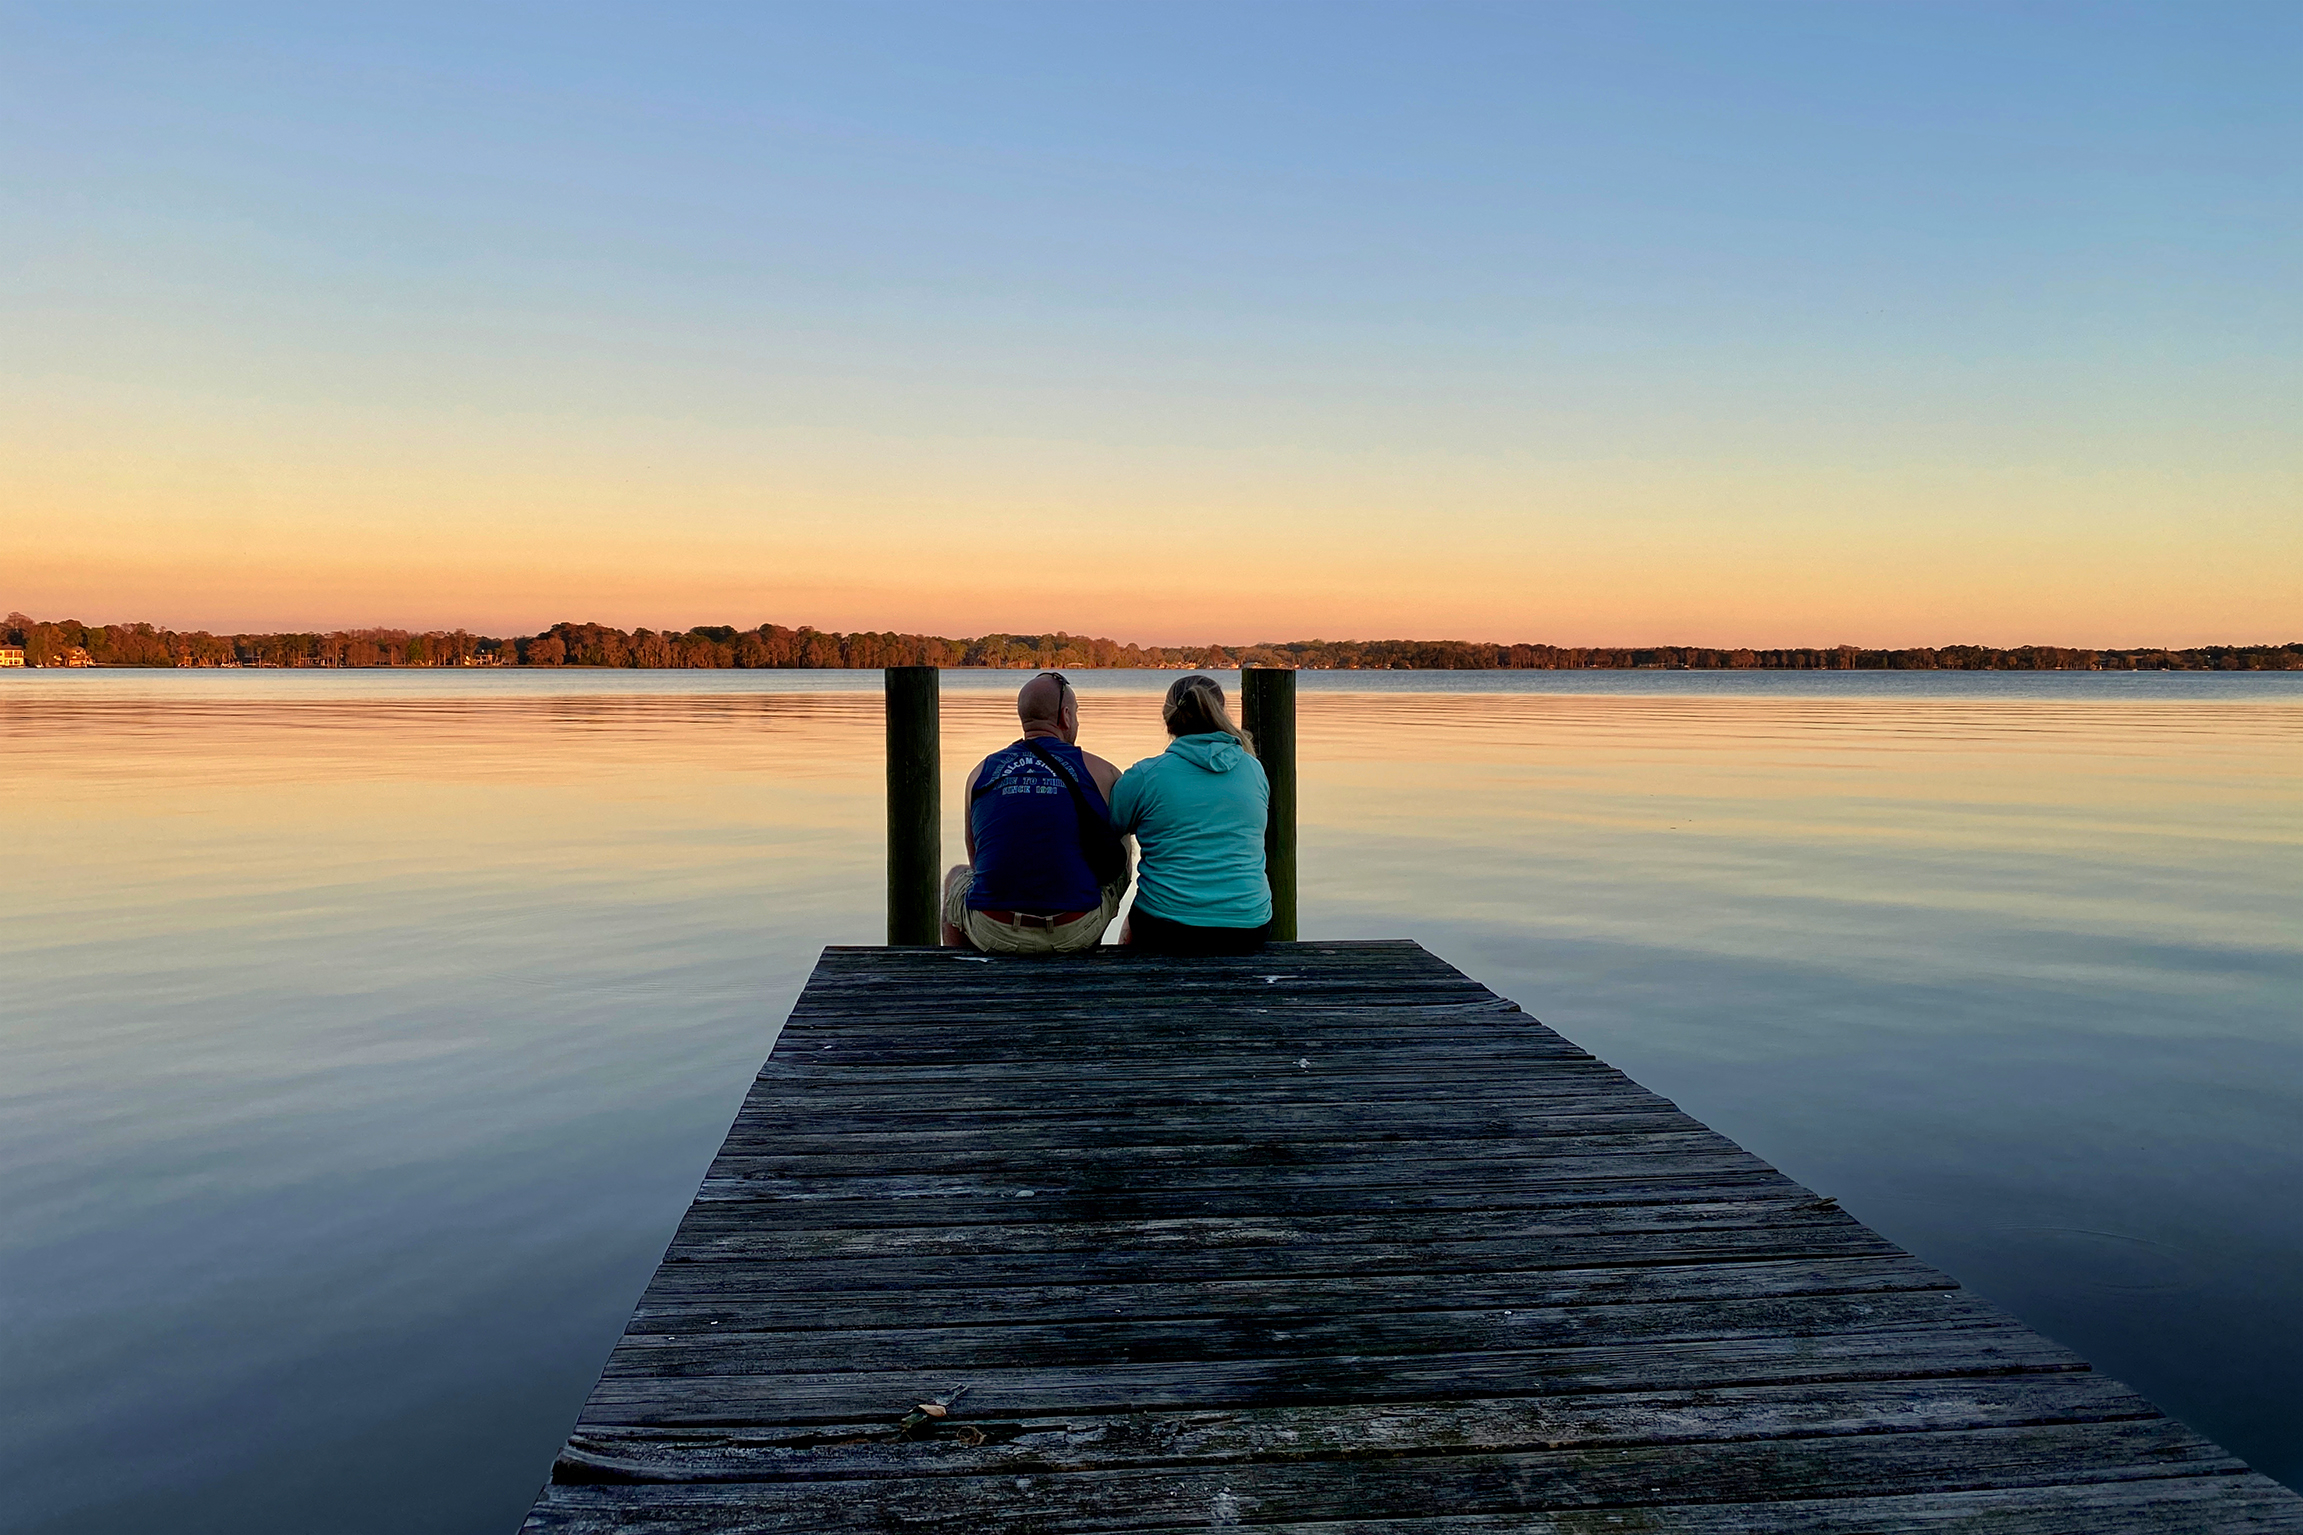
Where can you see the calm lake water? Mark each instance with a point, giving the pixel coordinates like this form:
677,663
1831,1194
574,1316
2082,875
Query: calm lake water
363,1035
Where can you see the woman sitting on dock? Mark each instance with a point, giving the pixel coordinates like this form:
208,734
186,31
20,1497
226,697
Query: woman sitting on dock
1197,813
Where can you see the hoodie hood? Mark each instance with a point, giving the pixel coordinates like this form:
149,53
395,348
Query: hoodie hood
1215,751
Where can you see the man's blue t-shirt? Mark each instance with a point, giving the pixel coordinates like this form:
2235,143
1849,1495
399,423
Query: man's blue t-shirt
1027,830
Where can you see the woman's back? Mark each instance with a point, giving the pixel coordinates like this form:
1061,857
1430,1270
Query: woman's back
1197,812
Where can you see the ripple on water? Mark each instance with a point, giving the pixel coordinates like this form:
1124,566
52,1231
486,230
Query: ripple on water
2115,1261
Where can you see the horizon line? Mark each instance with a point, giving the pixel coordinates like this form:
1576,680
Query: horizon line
16,619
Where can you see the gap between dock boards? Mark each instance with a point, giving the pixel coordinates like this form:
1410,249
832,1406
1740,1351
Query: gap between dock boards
1326,1238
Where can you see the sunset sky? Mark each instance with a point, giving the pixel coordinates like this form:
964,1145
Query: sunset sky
1715,323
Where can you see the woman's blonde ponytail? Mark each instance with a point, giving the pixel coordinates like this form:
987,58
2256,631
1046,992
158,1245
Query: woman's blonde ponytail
1195,707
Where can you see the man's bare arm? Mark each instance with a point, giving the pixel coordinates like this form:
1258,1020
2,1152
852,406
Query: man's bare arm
1106,776
967,815
1107,779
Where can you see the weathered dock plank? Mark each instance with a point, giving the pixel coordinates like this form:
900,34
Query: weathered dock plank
1328,1238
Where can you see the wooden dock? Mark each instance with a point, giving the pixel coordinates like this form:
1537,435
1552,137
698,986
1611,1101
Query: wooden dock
1332,1239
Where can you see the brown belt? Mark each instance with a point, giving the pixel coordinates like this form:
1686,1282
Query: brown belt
1034,919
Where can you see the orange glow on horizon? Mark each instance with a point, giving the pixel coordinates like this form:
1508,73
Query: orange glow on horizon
245,525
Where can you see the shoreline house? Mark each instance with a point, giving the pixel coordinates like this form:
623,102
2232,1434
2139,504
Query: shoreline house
73,655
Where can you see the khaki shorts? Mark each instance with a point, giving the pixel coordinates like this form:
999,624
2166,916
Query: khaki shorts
1083,932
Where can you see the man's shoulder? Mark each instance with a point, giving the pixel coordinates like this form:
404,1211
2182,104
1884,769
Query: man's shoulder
1105,774
988,759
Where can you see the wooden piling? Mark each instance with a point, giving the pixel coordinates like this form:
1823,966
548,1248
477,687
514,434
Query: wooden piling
1267,709
915,805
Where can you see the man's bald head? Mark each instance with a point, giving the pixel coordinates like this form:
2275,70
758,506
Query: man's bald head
1047,703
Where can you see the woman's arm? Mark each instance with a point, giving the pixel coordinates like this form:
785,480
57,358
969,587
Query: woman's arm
1125,797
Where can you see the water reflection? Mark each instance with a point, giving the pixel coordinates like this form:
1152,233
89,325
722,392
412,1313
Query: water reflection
365,1036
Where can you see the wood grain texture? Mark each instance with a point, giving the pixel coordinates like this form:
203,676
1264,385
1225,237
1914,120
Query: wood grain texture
1329,1238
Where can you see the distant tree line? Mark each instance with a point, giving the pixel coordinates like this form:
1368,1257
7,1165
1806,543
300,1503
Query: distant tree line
54,644
773,645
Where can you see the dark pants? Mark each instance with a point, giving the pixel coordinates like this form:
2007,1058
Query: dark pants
1157,935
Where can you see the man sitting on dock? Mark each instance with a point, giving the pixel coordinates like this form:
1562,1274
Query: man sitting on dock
1045,871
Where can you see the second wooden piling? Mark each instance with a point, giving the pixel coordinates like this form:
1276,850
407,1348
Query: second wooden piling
1267,710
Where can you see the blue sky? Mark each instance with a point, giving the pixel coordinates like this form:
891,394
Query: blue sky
1722,322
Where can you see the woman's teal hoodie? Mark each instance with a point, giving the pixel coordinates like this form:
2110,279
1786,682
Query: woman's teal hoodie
1197,814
